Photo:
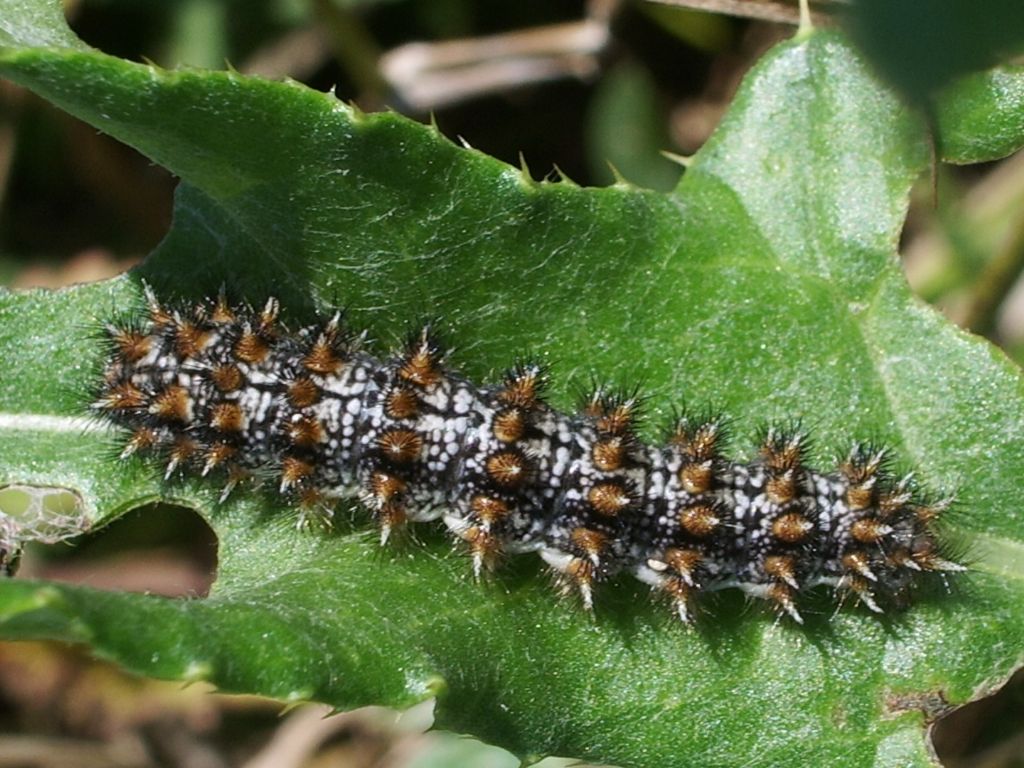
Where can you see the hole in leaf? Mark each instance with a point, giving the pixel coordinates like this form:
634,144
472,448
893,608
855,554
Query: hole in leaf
985,732
160,549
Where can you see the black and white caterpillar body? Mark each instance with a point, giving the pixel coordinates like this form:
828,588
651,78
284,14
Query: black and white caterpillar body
228,391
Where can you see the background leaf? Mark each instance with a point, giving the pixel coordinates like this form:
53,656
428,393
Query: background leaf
921,47
765,284
981,117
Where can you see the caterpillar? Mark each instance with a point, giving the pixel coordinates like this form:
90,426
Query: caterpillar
229,391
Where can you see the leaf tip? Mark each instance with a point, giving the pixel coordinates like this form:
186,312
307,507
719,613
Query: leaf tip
424,685
355,114
152,65
620,180
524,172
564,178
197,671
297,698
433,687
806,26
683,160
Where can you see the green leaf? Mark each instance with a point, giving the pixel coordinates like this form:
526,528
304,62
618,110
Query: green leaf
766,284
981,117
29,23
921,46
934,53
626,130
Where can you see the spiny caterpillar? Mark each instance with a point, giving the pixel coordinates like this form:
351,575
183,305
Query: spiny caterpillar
229,391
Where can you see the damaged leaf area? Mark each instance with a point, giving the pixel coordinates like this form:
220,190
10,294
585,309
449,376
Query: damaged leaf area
766,285
37,513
